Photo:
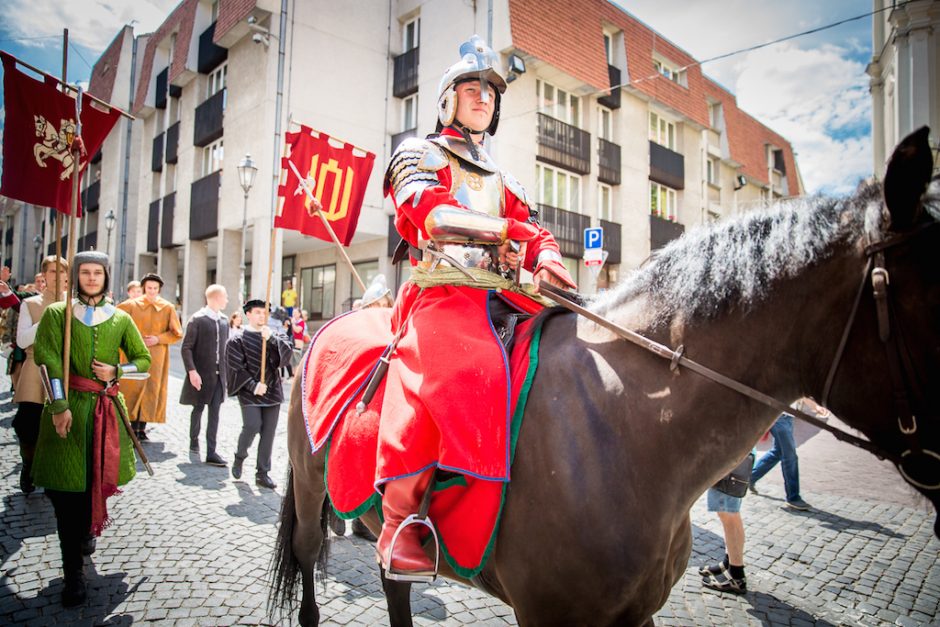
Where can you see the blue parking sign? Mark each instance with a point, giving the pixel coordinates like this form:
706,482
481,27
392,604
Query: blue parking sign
593,238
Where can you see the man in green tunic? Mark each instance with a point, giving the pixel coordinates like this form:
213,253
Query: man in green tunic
84,452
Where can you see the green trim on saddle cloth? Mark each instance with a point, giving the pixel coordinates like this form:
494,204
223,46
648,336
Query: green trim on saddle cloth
373,501
376,499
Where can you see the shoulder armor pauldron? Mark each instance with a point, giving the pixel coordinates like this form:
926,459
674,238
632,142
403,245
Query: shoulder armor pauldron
513,185
413,168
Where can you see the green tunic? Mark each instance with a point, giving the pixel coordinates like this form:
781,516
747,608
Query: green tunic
62,463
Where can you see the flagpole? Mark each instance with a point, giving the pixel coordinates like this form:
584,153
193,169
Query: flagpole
326,224
67,336
267,294
76,173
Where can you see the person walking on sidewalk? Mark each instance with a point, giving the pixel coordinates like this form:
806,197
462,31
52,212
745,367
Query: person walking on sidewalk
784,453
203,352
84,451
158,323
260,400
27,392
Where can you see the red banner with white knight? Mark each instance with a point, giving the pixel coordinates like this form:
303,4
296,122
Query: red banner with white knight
39,128
337,174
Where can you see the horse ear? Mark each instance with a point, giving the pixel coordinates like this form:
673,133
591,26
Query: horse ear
907,178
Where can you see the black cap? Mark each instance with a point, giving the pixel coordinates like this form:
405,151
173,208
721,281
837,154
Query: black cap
251,304
151,276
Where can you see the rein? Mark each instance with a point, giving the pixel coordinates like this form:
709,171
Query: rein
677,359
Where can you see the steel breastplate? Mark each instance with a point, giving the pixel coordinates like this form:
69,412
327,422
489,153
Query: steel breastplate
476,183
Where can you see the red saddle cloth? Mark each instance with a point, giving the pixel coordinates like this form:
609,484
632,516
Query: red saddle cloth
336,371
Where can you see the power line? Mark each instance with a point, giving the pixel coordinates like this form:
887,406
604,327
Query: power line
726,55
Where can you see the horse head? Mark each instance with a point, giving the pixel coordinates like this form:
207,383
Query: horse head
894,397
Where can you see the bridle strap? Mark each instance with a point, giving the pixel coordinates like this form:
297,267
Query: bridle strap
677,359
824,399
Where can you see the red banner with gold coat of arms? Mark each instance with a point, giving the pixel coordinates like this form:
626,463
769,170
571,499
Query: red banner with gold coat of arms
337,176
38,131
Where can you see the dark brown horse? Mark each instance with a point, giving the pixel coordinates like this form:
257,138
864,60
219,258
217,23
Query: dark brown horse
611,433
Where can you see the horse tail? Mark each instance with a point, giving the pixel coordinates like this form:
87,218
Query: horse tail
285,567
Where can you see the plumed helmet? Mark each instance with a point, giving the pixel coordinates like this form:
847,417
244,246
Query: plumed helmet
378,289
91,256
477,62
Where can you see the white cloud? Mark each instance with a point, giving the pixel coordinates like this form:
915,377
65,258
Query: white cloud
91,23
818,99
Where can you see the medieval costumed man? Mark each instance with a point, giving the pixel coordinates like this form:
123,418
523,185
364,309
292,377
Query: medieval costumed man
158,323
465,220
28,391
84,451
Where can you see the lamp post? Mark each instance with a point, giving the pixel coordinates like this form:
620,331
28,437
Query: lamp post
246,176
37,243
109,221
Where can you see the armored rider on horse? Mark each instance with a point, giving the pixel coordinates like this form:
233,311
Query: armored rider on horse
469,230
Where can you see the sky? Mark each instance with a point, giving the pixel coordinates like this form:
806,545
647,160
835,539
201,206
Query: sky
813,90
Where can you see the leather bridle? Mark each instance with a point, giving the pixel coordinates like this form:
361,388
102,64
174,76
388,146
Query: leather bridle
904,378
902,373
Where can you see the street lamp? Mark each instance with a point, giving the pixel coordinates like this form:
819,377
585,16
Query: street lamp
37,242
246,176
109,221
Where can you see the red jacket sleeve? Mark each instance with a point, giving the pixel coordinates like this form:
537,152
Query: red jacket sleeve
409,217
10,300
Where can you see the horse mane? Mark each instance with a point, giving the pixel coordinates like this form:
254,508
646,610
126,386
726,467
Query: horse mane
732,264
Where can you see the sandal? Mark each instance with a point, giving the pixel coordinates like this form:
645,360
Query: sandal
712,569
724,582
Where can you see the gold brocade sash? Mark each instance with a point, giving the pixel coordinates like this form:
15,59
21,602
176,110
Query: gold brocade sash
484,280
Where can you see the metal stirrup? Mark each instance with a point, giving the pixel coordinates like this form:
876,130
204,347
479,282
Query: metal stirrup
421,518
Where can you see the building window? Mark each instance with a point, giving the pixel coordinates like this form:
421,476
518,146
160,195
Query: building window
367,270
776,160
411,34
609,48
662,201
712,216
217,80
605,124
287,270
714,116
558,188
712,169
670,71
662,131
214,10
318,291
409,113
558,103
212,157
605,203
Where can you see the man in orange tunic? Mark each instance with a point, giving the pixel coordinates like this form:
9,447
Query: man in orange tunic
158,323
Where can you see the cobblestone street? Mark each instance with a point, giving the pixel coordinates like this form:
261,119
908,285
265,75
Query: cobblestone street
192,546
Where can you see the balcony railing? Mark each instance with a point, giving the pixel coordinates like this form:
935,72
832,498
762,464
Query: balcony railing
612,241
156,156
50,249
153,221
166,221
567,227
91,196
608,170
210,55
172,143
563,145
406,74
204,207
667,166
400,137
209,114
663,231
161,88
613,100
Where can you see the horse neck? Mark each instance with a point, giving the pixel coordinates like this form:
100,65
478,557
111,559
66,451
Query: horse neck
782,346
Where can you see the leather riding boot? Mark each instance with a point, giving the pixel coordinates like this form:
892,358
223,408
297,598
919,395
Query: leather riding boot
403,498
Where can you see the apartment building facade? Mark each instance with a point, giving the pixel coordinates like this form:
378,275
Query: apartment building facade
905,73
621,131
